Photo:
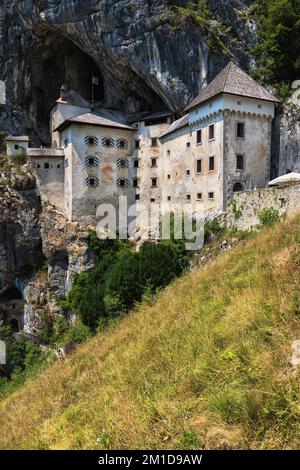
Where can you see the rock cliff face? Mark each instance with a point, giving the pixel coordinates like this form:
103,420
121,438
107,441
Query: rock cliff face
146,54
39,249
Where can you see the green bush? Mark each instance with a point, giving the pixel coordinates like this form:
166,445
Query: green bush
121,277
269,217
78,333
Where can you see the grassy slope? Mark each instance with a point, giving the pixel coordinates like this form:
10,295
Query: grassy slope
206,365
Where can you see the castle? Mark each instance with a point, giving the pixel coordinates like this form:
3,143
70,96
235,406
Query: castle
219,146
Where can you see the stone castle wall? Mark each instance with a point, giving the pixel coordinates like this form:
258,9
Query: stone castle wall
245,207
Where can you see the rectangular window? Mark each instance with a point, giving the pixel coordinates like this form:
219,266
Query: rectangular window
137,197
122,183
137,144
153,162
154,182
169,198
154,142
152,199
92,182
16,147
211,164
188,145
199,166
188,197
47,166
240,162
187,172
135,183
58,165
199,196
211,132
135,163
169,177
240,130
168,153
199,136
211,195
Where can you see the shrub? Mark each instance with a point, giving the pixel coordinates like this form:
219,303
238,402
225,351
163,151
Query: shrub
269,217
77,333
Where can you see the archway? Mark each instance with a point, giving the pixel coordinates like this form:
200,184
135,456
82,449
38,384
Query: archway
14,324
237,187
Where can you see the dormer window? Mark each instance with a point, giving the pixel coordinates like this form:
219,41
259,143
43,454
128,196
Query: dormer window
107,142
91,140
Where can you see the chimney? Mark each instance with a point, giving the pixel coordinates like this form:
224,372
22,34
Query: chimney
63,90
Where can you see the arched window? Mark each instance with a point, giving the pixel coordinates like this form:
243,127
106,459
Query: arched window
122,144
108,142
237,187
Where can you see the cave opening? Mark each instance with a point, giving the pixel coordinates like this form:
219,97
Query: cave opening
12,308
62,62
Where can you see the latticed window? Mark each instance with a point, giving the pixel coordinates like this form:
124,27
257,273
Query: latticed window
107,142
122,182
122,144
92,181
121,163
89,140
91,161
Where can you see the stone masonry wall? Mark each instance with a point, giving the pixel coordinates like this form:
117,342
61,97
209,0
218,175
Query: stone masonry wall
243,212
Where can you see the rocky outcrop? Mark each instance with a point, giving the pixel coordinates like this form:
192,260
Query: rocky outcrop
40,251
147,54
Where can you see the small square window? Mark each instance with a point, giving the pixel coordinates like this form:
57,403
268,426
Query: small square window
188,197
169,198
152,199
154,142
154,182
211,195
199,196
199,166
135,163
199,136
211,132
240,130
137,197
16,147
38,165
188,145
47,166
187,172
211,164
240,162
58,165
153,162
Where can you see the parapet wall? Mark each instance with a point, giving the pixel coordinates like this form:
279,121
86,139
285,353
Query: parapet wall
245,207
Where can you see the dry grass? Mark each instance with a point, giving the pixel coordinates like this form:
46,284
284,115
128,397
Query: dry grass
206,365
